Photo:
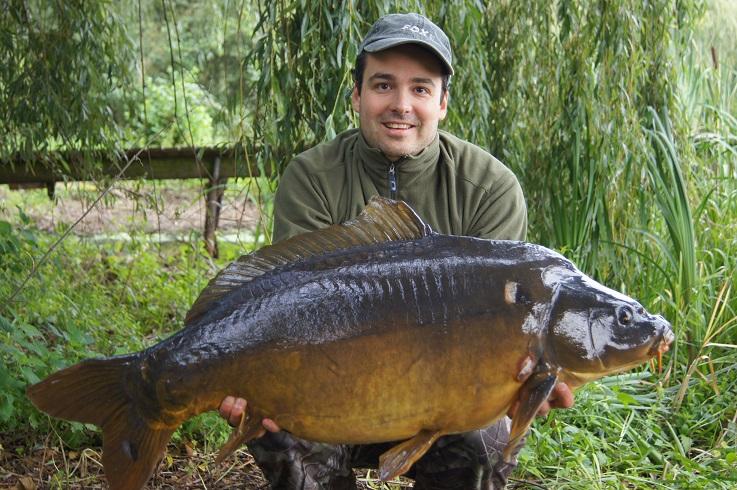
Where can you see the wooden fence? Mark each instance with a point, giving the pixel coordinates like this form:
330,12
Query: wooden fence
215,165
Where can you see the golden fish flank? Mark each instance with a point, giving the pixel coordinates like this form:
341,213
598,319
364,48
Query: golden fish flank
450,331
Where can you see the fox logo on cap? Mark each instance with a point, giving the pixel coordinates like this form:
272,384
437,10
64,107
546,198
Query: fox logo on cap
415,29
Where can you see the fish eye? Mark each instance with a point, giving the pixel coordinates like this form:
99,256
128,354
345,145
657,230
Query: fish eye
625,315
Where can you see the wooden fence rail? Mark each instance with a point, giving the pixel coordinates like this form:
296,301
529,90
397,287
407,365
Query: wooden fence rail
214,164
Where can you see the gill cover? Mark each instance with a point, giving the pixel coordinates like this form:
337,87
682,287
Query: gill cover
596,330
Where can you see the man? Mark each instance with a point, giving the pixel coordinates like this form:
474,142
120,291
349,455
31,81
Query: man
401,94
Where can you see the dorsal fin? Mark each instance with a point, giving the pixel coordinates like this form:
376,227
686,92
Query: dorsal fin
382,220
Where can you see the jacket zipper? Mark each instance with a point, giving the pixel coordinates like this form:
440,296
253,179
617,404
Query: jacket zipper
392,182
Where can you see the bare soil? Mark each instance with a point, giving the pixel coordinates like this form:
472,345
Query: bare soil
46,466
53,467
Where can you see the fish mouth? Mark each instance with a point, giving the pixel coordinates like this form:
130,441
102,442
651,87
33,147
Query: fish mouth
662,345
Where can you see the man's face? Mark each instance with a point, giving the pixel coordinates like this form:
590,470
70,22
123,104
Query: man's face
400,105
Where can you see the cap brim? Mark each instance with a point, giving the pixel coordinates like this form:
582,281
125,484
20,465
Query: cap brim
383,44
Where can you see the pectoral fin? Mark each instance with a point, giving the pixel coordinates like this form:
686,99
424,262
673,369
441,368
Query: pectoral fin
532,395
249,428
400,458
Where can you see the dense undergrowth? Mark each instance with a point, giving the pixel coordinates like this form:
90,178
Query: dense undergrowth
89,299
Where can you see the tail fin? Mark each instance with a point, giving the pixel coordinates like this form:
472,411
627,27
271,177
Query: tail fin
93,392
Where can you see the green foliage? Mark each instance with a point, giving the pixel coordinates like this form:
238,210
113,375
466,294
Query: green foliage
88,300
717,29
59,61
671,195
205,41
569,84
624,433
162,125
622,131
303,55
107,75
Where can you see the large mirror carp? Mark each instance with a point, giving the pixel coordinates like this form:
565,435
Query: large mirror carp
374,330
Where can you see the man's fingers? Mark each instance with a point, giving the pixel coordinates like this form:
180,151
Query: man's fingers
562,396
543,410
239,408
232,409
270,425
226,406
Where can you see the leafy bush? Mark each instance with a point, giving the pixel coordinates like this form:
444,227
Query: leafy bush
89,299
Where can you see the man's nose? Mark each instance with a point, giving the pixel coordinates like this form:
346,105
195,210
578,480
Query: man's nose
401,102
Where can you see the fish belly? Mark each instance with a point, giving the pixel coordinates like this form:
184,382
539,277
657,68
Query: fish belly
388,386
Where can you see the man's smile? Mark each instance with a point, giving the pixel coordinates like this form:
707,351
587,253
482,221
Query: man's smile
392,125
397,128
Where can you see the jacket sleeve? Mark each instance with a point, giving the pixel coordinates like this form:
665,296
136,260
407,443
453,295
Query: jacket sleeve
299,205
502,214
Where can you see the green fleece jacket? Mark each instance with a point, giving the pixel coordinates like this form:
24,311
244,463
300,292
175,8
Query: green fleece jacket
455,187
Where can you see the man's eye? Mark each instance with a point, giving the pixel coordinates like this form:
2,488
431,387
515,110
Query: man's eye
422,90
383,86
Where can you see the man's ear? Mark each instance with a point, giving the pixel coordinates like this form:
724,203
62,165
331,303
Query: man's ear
444,105
356,98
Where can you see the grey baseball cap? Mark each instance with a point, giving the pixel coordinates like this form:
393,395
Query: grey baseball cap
395,29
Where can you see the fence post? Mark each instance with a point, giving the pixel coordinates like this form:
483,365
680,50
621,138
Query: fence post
213,201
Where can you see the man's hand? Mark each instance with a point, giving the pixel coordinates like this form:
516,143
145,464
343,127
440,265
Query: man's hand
232,409
561,397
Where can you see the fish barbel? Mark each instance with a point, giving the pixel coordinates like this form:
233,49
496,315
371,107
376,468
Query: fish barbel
371,331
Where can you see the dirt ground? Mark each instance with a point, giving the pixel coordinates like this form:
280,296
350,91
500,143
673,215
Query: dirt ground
51,467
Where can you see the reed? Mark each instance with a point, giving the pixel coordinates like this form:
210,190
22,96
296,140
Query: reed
669,186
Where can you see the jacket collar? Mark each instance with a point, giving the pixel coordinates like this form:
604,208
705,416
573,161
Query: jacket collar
407,167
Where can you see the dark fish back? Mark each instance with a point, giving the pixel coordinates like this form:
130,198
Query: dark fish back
359,290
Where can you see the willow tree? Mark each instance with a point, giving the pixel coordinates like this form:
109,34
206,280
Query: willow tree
60,61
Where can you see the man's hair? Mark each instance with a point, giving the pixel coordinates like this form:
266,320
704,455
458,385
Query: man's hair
361,67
